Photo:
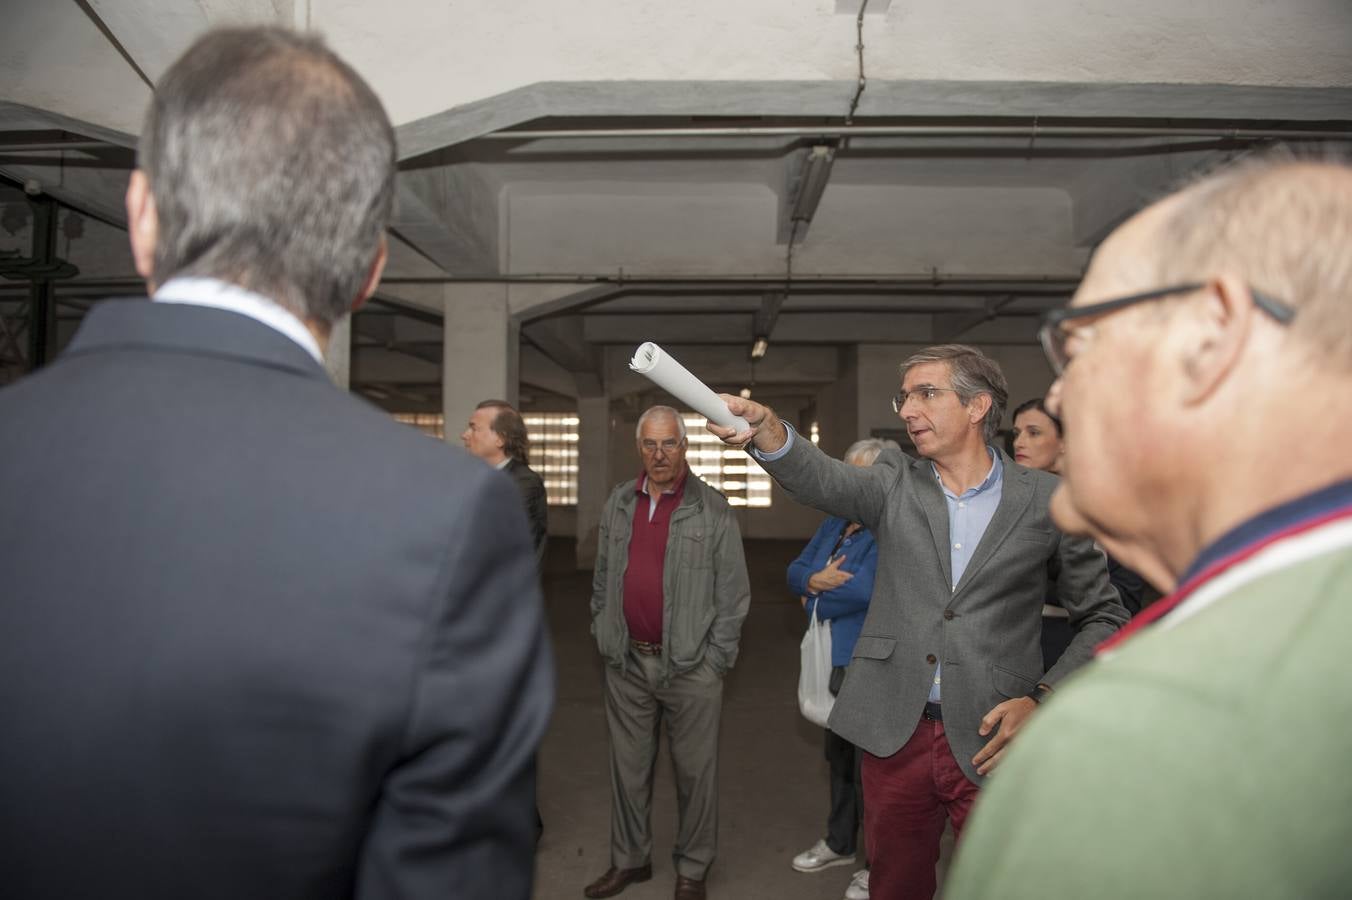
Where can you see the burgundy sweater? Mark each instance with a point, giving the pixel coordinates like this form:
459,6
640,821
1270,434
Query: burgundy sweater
647,559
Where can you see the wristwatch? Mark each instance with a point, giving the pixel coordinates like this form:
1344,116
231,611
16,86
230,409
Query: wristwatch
1039,693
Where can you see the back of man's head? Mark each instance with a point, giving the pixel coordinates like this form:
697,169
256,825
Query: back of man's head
272,165
1282,225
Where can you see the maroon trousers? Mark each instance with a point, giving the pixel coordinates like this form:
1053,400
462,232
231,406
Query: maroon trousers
906,798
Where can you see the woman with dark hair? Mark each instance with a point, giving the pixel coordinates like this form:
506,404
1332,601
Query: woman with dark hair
1038,445
1037,437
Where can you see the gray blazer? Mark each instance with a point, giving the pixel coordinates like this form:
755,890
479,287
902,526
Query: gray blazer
256,638
985,631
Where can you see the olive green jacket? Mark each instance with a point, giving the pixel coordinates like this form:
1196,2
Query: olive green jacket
706,591
1204,760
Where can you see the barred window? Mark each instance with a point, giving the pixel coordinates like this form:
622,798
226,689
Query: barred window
553,453
731,471
433,424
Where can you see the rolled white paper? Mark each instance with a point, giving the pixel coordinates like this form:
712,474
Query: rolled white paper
655,364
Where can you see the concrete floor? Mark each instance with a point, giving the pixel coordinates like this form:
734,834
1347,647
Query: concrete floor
772,779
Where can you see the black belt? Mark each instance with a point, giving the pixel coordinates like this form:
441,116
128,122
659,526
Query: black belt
934,712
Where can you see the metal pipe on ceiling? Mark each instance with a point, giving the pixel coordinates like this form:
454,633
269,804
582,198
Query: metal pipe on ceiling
23,147
925,131
805,282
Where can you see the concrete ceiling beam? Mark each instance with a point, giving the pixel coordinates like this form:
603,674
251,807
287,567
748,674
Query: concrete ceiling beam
949,327
530,302
94,192
768,314
562,340
794,328
418,221
884,98
1108,194
372,363
720,367
539,371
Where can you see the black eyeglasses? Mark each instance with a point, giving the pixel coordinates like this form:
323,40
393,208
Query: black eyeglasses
1053,334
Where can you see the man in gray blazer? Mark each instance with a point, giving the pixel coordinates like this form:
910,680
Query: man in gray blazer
256,639
948,665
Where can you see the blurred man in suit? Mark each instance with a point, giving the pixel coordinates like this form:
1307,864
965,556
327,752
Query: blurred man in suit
496,433
1205,379
948,665
256,639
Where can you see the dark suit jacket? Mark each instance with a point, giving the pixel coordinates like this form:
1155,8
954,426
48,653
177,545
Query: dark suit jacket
532,488
247,647
985,629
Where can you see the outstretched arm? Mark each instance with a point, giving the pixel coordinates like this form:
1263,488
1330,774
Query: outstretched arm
808,475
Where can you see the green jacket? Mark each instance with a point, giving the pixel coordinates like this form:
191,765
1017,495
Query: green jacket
706,592
1204,760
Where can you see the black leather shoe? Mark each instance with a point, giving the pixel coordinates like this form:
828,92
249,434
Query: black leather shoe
616,880
689,888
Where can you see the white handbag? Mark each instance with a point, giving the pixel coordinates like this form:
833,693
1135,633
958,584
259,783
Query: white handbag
814,678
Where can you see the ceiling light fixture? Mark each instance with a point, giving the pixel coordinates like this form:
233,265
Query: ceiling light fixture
812,183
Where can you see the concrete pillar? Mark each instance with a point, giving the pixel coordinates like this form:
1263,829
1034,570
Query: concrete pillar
338,354
481,352
593,473
838,406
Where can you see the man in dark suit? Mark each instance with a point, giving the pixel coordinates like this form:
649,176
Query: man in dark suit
496,433
948,664
256,639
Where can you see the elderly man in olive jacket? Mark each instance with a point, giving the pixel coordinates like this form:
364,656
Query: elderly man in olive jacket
669,595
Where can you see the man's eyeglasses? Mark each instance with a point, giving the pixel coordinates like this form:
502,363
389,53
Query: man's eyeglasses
1054,334
668,446
925,394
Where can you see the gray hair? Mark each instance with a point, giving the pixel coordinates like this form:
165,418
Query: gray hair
272,166
654,411
867,450
973,373
1281,223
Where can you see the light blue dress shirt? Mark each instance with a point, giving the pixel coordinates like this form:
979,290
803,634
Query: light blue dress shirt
968,515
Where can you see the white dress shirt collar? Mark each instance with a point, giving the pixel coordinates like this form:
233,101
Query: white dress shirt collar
222,295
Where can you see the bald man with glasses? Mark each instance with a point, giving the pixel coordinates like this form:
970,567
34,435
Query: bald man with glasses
948,665
1208,426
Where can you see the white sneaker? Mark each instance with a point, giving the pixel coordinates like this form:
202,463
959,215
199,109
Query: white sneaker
819,857
858,889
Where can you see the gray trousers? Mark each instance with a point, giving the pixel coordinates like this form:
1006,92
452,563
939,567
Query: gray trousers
692,705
